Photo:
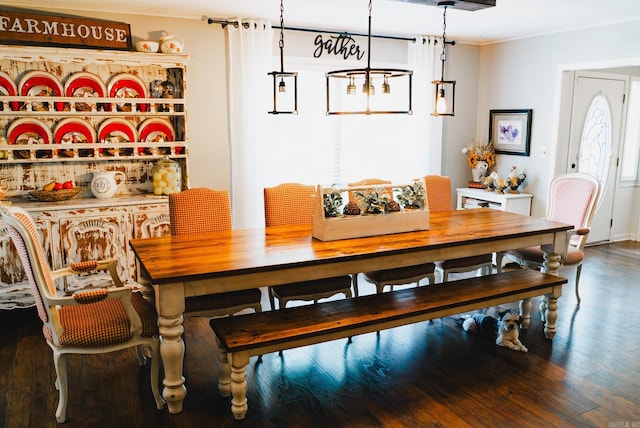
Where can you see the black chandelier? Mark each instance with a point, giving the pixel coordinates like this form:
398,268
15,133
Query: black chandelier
284,102
363,103
445,90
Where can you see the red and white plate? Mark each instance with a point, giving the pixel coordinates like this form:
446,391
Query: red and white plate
126,85
29,131
156,130
38,83
84,85
8,88
116,130
73,130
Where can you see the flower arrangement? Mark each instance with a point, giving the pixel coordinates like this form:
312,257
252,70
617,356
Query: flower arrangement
477,152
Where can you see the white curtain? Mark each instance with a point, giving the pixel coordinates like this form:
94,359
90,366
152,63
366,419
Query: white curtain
250,59
424,61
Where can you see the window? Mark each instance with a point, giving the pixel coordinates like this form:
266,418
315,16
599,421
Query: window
595,145
314,148
631,149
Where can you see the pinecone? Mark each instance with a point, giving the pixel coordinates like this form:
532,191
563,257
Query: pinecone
351,209
394,206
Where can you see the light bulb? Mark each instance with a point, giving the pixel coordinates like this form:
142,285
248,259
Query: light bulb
351,87
368,88
386,88
282,87
441,102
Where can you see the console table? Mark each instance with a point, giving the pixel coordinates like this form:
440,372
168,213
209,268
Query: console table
519,203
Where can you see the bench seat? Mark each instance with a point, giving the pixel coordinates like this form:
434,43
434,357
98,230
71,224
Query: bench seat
243,336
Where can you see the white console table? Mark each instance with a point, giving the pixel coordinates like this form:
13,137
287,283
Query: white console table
519,203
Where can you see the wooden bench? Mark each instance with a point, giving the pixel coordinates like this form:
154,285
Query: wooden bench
243,336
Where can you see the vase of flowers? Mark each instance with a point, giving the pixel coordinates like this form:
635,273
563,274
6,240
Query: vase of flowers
481,157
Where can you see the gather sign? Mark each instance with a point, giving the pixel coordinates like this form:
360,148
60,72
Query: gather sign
33,28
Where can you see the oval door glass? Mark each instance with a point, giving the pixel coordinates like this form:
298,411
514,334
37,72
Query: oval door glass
595,144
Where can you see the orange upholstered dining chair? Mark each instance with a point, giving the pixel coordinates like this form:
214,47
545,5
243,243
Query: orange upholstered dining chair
391,277
96,321
573,199
292,204
203,210
440,199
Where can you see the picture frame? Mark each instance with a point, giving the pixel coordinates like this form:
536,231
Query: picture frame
510,131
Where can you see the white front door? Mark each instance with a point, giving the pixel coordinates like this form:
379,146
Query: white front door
594,140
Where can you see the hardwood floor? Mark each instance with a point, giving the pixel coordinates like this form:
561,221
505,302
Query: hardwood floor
428,374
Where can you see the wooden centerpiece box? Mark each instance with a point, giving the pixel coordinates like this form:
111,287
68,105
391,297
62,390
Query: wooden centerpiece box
342,226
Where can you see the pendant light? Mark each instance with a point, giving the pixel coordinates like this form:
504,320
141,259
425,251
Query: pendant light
354,89
444,90
285,84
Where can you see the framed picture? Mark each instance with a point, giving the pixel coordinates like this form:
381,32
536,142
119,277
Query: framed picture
510,131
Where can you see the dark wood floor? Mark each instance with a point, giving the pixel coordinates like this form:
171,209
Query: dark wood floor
429,374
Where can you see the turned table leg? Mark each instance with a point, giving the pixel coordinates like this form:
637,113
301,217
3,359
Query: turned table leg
525,313
224,371
170,307
549,303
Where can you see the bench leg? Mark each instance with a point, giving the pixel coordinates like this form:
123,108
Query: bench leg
224,371
525,313
550,316
239,362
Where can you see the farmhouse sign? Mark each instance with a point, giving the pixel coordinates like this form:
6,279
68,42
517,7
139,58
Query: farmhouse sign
31,28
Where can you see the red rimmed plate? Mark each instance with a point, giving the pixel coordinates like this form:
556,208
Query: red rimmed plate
156,130
84,85
116,130
8,88
73,130
38,83
25,131
29,131
126,85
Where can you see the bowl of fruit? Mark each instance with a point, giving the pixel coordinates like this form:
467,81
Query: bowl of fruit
56,191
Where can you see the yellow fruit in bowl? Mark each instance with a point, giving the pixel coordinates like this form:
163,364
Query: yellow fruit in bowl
49,187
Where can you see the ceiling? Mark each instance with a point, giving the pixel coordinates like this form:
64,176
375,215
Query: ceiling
510,19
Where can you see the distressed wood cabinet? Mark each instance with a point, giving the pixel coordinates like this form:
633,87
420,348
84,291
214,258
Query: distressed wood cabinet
85,227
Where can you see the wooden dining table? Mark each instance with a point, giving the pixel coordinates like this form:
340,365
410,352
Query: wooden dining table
200,264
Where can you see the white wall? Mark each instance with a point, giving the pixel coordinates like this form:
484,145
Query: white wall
527,74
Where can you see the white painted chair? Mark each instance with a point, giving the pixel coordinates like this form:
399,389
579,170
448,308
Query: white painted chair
88,322
573,199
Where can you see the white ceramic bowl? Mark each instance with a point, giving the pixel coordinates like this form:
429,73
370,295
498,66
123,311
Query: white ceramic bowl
147,46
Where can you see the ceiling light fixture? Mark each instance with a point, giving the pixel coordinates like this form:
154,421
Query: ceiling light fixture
287,100
352,103
445,90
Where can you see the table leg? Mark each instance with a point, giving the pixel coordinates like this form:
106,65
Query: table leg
224,371
549,304
525,313
170,307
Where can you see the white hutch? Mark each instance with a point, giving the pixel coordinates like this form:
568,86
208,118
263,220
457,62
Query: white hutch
86,227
